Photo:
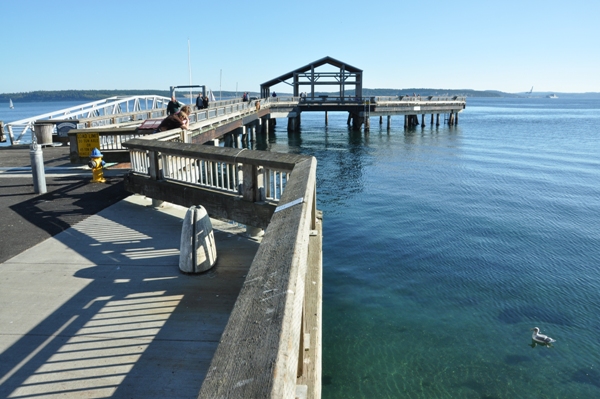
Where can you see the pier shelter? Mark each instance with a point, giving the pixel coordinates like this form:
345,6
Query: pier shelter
305,79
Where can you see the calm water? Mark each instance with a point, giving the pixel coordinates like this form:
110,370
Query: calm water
444,246
23,110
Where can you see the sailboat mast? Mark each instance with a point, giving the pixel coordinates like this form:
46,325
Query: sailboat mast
190,71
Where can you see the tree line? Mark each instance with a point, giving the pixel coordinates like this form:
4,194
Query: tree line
93,95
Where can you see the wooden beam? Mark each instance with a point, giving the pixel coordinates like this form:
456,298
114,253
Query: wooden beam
218,205
258,353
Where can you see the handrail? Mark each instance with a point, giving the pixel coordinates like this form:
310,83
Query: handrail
257,177
106,109
261,352
112,139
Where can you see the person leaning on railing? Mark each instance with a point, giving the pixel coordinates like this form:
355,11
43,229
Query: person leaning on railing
178,120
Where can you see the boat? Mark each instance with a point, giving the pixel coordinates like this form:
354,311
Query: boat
552,96
10,104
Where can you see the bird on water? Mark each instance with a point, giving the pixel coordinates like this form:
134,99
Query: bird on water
541,338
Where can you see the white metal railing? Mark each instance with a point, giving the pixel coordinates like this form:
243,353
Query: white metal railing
107,110
379,99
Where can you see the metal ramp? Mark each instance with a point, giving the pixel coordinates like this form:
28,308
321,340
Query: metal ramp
118,108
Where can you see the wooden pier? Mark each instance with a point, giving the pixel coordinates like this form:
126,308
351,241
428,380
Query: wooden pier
271,346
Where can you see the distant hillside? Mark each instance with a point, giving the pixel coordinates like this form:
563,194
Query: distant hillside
580,96
436,92
93,95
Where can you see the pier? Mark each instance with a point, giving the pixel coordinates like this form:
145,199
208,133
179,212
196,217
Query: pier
265,341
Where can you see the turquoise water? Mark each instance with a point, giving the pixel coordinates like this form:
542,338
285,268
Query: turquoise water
444,246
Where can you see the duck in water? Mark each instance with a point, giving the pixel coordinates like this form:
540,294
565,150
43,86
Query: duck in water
541,338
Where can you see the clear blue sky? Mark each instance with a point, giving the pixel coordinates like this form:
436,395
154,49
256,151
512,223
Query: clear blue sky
462,44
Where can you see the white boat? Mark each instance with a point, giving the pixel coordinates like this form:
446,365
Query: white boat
552,96
10,104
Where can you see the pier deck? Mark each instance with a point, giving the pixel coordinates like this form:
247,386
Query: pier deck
100,309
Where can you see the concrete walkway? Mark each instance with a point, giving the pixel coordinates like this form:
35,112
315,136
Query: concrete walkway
101,310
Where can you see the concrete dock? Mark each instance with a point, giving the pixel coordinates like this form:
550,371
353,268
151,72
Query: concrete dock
92,303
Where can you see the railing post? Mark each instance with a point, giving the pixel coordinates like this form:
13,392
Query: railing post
313,211
251,193
10,135
260,184
154,169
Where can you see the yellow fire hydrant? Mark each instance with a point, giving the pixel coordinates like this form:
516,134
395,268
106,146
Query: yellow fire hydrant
96,163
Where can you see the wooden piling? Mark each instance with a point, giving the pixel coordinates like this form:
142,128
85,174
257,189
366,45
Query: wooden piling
381,119
389,122
326,118
437,119
423,120
431,120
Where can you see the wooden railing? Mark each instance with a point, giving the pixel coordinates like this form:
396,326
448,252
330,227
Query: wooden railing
211,170
271,346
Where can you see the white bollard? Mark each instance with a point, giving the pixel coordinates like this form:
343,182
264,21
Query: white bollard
37,169
198,251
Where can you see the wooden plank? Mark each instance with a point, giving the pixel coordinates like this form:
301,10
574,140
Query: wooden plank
272,160
258,353
109,131
313,304
218,205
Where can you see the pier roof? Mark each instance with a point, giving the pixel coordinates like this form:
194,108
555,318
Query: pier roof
306,75
314,64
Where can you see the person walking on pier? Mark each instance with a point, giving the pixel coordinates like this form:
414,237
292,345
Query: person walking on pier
245,96
205,102
199,101
173,106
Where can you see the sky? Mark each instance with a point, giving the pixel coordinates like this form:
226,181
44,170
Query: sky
236,45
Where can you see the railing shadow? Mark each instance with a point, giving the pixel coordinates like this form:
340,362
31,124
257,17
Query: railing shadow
116,317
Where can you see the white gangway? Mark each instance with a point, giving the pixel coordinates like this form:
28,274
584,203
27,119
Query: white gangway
115,109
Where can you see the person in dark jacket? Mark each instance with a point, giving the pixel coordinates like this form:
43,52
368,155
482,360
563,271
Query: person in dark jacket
205,101
178,120
173,106
199,101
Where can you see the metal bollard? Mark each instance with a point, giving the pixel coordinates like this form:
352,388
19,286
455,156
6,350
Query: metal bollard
37,169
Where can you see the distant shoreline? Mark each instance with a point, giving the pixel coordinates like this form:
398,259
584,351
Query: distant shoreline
94,95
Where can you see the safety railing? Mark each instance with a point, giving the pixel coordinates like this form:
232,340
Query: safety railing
209,169
275,325
104,112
